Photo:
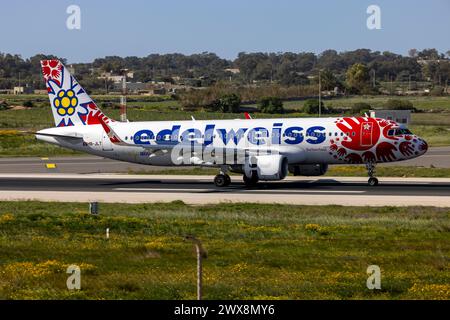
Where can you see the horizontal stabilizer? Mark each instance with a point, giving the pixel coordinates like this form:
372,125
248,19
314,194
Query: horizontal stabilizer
69,136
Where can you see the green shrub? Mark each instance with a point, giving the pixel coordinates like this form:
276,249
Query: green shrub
396,104
271,105
3,105
360,107
226,103
437,91
311,106
28,104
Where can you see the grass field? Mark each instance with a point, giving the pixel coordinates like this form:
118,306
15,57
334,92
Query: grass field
146,108
422,103
13,144
254,251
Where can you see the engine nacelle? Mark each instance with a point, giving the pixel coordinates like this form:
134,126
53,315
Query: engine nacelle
318,169
267,167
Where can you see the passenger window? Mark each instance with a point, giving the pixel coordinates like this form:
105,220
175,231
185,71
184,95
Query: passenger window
353,133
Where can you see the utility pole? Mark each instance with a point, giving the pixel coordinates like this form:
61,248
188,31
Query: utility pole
392,87
123,97
320,96
201,253
373,79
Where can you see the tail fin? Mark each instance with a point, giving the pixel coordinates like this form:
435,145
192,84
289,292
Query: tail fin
70,103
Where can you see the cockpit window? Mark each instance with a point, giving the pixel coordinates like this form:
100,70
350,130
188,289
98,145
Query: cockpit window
398,132
405,131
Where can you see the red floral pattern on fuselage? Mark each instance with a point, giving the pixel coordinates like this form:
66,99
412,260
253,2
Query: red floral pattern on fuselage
369,140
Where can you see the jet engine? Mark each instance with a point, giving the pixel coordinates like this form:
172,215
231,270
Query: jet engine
318,169
266,167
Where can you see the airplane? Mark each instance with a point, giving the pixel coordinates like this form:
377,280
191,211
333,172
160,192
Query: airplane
259,149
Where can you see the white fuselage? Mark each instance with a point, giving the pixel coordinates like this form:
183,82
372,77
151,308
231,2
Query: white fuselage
301,140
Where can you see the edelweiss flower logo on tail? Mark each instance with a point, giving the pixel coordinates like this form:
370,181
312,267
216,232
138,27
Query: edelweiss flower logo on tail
71,105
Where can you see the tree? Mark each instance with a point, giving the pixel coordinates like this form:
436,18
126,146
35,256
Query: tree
429,54
227,103
357,77
327,80
271,105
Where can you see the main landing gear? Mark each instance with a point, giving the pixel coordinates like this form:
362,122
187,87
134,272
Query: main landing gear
222,179
373,181
250,182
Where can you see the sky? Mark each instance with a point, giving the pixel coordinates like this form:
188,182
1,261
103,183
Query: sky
139,27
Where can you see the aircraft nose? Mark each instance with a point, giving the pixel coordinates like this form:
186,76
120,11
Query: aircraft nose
422,146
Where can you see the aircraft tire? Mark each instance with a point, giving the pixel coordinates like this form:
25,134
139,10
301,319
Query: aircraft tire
373,181
249,182
221,180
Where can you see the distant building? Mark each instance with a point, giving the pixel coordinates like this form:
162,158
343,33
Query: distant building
40,91
22,90
233,70
157,91
115,78
132,87
71,69
400,116
428,61
148,88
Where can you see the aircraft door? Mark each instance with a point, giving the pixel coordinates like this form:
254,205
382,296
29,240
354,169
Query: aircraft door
366,134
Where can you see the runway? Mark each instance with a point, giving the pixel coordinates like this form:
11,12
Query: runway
201,190
438,157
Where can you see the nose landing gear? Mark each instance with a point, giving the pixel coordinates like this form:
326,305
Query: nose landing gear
222,179
373,181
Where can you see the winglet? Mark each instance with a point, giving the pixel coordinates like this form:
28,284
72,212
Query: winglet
247,116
